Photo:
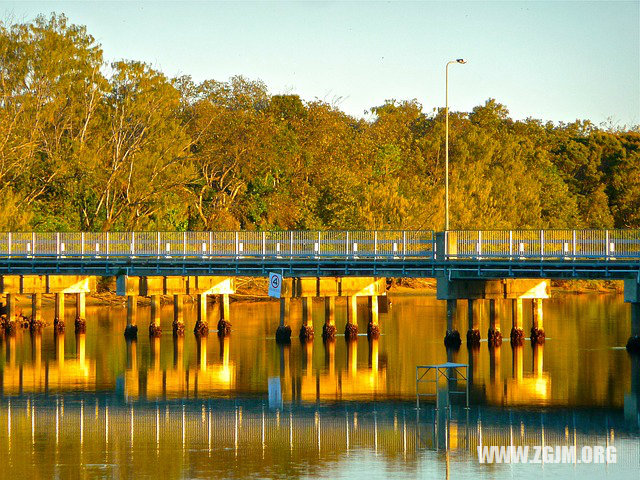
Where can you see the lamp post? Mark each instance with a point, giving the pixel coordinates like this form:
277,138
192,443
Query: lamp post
446,162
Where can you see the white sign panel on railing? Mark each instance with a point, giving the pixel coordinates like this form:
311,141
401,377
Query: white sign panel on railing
275,285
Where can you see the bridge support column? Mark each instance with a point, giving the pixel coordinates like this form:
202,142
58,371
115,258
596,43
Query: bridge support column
178,315
81,313
351,329
494,335
201,328
36,323
537,328
452,337
373,329
58,319
633,344
306,330
131,330
517,334
154,325
224,323
283,333
10,323
329,327
474,314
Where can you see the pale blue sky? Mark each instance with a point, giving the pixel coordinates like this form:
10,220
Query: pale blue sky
550,60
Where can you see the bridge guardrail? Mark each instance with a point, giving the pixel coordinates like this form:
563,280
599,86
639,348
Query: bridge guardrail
382,244
543,244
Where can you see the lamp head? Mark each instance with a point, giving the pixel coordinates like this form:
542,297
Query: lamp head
461,60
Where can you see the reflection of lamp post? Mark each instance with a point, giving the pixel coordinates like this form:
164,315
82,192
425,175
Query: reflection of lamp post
446,162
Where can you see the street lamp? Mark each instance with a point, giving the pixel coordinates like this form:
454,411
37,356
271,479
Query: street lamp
446,162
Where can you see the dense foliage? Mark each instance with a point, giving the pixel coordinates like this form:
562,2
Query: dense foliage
90,146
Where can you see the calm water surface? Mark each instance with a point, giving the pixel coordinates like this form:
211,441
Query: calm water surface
93,405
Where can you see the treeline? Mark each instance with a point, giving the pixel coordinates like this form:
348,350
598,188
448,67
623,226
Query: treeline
90,146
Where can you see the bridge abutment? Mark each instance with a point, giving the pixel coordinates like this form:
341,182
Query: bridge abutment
632,296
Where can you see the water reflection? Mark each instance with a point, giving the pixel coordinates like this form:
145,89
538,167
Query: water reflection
246,438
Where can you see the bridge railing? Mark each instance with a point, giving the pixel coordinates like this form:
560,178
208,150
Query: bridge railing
382,244
543,244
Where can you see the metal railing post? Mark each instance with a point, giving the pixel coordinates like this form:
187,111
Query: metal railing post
82,246
108,247
606,244
33,244
375,244
573,245
404,244
291,245
541,243
57,244
510,244
10,245
184,245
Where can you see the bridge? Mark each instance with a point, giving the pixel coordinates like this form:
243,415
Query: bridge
477,266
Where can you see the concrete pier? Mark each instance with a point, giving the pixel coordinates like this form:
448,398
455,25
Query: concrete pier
131,330
517,332
474,316
329,327
58,319
494,335
154,323
351,328
201,327
373,328
224,323
632,297
537,327
10,324
81,313
306,330
36,323
178,315
283,333
452,337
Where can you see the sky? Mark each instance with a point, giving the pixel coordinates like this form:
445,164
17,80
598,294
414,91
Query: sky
555,61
